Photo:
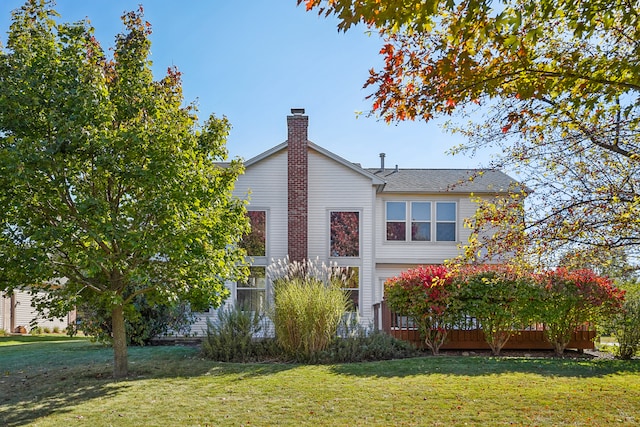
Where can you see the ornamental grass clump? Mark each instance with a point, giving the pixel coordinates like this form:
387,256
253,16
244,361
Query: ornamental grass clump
425,294
573,298
500,298
309,303
232,338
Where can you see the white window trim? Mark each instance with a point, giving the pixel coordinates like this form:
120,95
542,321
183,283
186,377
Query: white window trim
258,261
346,258
433,221
436,222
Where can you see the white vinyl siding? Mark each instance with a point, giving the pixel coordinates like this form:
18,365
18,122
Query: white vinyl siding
333,188
265,184
24,314
5,312
422,252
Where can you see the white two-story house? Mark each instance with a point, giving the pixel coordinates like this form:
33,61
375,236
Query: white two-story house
306,202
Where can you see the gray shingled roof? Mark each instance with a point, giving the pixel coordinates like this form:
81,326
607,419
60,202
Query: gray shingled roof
439,180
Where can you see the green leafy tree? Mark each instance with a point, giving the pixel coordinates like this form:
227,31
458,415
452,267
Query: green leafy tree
108,179
552,86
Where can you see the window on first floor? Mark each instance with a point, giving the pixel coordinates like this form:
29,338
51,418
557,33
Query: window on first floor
252,294
413,221
351,286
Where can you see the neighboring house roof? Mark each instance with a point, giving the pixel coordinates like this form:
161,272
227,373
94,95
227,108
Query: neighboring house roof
445,180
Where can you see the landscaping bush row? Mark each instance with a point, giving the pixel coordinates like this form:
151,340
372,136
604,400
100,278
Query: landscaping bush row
310,317
237,337
504,300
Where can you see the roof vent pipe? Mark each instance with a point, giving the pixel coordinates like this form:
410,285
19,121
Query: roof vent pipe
382,161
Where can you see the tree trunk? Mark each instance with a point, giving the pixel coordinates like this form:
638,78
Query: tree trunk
120,364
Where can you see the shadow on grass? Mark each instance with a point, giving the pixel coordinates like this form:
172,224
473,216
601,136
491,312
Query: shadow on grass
481,366
43,378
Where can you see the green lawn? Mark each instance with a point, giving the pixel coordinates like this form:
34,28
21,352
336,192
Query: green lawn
67,383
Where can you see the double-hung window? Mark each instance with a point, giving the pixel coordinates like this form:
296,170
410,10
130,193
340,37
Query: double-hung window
344,249
396,221
445,221
421,221
351,280
414,221
251,295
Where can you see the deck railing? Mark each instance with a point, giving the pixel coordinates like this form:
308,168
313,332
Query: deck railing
469,335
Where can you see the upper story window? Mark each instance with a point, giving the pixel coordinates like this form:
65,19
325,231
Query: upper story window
344,234
255,242
421,221
413,221
445,221
396,221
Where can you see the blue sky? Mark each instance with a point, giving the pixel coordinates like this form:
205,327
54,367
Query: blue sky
253,61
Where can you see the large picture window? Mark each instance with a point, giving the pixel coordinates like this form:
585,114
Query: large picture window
345,234
255,242
413,221
251,295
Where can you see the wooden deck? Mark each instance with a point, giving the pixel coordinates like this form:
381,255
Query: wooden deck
472,337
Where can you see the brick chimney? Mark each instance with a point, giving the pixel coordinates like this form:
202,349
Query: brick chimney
298,162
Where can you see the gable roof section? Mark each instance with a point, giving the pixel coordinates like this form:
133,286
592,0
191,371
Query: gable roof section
417,180
445,180
376,179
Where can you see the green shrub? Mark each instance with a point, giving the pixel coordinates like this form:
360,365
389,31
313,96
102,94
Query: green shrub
308,306
572,298
625,324
233,338
3,333
46,330
144,320
56,329
36,330
366,347
500,298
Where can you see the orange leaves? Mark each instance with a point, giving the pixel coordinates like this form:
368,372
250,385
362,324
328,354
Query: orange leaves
387,49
